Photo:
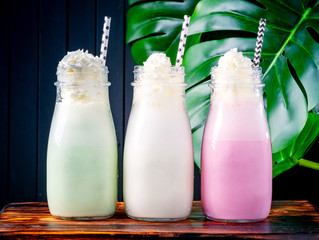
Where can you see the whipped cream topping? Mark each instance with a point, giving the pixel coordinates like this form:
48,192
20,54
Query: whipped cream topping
157,62
80,62
234,60
237,76
158,81
234,67
158,68
80,77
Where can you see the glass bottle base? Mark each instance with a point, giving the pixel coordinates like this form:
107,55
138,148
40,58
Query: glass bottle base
83,218
157,219
236,220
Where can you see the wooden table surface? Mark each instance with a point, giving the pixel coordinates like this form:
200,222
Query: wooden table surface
287,220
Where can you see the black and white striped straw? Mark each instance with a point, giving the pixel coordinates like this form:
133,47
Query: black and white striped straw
182,41
259,42
105,38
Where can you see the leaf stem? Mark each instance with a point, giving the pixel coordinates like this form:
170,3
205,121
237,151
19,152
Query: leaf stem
308,164
293,31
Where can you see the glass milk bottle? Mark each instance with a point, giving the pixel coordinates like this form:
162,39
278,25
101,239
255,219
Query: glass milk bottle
236,164
82,149
158,153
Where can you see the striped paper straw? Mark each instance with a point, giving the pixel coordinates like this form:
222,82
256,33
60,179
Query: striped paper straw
259,42
105,38
182,41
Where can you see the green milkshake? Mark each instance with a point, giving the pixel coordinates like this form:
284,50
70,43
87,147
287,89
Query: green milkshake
82,149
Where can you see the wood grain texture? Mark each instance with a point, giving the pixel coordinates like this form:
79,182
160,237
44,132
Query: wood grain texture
287,220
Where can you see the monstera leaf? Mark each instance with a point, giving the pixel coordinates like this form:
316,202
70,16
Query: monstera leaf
155,26
290,61
292,155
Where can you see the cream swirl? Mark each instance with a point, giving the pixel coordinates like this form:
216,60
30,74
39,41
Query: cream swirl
236,75
158,68
235,70
234,60
234,66
80,78
80,62
157,62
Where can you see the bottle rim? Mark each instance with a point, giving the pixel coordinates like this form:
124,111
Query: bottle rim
80,83
178,70
218,71
102,70
215,85
174,72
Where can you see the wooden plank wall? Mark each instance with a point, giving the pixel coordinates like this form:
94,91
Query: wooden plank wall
35,35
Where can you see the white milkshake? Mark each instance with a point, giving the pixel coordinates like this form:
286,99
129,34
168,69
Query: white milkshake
158,153
82,151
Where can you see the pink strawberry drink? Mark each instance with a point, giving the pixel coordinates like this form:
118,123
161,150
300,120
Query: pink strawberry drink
236,159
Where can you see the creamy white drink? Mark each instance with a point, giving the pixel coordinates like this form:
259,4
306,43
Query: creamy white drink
82,150
158,153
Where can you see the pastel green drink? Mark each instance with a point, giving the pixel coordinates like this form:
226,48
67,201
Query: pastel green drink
82,150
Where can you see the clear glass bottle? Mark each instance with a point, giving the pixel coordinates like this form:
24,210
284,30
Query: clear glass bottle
82,149
236,163
158,152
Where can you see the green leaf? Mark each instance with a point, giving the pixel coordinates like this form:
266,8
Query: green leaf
154,26
291,155
309,164
197,144
198,111
290,58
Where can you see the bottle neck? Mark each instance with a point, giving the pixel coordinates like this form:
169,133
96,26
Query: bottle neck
170,76
237,83
159,87
158,93
82,88
83,79
237,77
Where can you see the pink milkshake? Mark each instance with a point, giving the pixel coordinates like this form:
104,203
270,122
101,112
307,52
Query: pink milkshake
236,151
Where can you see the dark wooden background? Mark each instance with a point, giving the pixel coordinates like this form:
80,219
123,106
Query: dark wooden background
35,35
